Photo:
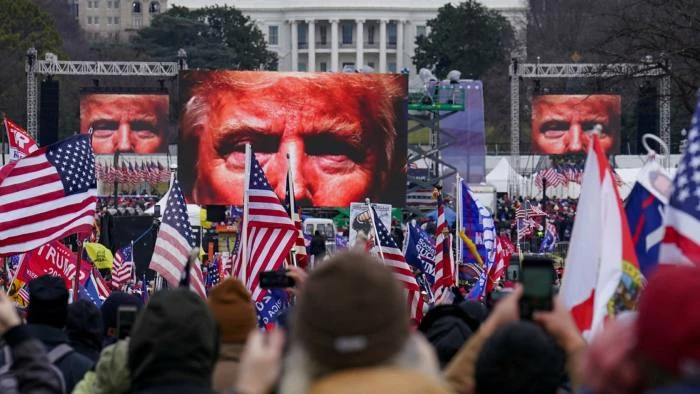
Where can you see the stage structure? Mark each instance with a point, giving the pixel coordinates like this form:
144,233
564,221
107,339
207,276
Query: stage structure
52,66
648,68
427,109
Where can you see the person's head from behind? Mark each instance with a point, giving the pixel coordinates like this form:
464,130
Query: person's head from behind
110,312
448,327
48,301
668,326
231,305
174,341
352,313
520,358
339,130
84,324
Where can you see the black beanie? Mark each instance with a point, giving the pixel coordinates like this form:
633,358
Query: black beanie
110,307
48,301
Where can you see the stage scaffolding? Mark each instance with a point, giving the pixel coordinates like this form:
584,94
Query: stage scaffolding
36,68
647,68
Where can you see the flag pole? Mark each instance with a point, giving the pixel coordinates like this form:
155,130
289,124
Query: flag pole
292,211
374,227
459,207
244,234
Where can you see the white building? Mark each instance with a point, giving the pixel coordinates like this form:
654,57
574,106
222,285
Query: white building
328,35
115,20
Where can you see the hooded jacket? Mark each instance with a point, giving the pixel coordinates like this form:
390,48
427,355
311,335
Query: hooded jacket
173,345
111,374
378,380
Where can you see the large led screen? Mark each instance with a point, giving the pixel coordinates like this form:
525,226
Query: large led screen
564,123
126,122
345,134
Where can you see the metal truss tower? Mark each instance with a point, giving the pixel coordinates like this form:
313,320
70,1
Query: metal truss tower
35,68
520,71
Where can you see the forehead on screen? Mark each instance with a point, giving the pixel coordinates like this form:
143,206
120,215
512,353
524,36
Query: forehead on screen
543,105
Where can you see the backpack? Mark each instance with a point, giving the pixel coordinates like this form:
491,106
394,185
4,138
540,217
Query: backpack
54,356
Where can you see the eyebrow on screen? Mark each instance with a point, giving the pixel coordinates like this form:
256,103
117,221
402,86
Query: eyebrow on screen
338,126
138,116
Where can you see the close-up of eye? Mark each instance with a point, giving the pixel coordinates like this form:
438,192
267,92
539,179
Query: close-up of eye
104,128
554,128
143,129
333,147
589,127
232,146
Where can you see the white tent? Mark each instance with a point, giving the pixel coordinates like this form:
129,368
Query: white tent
501,174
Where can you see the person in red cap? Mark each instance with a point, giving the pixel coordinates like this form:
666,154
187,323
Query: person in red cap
668,331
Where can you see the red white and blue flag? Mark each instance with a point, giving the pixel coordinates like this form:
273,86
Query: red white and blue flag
20,142
602,275
47,195
681,242
122,267
271,234
175,242
444,272
393,257
645,211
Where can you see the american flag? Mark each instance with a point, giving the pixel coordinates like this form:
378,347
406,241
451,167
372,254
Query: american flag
174,243
504,251
23,293
299,245
551,176
681,241
122,267
444,277
270,233
102,288
214,272
47,195
536,211
394,258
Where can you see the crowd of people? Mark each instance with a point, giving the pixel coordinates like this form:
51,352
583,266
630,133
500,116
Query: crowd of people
559,211
339,339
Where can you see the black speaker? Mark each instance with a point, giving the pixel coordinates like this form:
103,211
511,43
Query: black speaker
216,213
647,114
48,113
118,232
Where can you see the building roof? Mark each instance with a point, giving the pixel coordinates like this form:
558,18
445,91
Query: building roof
277,5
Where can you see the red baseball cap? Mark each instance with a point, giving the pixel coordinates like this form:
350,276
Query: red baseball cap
668,324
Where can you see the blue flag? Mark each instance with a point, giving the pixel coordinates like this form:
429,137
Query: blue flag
420,252
89,292
478,226
273,304
144,289
645,208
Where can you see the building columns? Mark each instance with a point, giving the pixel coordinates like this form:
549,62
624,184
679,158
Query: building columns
311,67
399,45
360,56
334,45
382,45
295,45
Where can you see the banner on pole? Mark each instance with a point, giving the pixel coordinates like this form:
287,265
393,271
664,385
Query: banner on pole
361,220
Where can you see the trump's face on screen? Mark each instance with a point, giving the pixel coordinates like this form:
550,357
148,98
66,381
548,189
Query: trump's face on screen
135,123
339,131
564,123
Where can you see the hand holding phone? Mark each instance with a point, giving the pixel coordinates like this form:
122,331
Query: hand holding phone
126,317
537,276
275,279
